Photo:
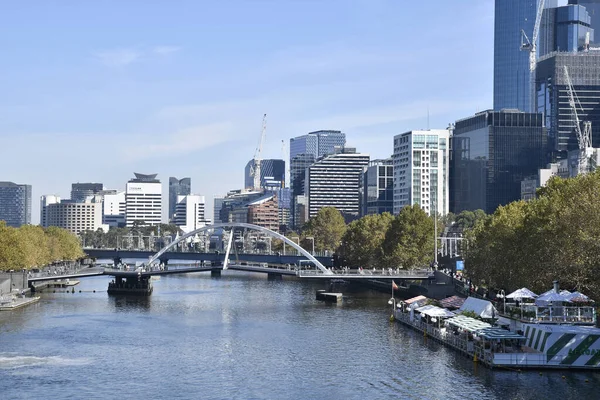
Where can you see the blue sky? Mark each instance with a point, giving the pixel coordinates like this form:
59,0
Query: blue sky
93,91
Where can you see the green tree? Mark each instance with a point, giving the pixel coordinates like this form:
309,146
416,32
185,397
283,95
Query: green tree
10,251
327,227
362,243
469,219
409,242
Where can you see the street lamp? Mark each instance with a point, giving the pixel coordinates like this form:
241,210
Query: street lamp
312,239
503,296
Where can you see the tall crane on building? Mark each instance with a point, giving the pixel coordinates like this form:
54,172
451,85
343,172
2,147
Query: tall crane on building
584,137
255,170
531,46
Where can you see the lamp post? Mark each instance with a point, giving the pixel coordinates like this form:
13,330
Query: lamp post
312,239
503,295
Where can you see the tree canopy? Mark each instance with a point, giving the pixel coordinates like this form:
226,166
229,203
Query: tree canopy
33,246
362,244
327,228
556,236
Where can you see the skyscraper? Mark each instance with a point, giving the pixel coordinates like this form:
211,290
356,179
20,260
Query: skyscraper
81,191
511,65
272,174
15,204
593,9
143,200
378,187
421,170
492,152
177,187
304,151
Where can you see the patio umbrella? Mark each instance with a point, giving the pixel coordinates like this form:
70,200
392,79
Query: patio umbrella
578,297
551,297
522,293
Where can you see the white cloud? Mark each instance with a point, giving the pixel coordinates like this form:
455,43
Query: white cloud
117,57
165,50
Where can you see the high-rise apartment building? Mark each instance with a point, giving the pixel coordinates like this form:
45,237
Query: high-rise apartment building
378,187
189,212
334,181
421,170
511,65
143,200
492,152
553,99
82,191
177,187
272,174
15,204
264,212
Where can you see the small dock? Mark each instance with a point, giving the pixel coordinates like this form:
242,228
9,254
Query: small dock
328,297
9,303
63,284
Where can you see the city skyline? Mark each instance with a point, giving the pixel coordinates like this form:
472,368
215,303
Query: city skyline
169,100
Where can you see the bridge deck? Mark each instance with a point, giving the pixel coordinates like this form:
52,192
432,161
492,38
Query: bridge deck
367,274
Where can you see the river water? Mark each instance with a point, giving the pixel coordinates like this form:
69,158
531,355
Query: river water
242,337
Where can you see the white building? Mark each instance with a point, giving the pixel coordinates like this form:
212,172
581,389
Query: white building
189,212
421,170
76,217
45,201
143,200
113,208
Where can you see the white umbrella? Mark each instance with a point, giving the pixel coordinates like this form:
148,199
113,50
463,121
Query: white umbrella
578,297
522,293
550,297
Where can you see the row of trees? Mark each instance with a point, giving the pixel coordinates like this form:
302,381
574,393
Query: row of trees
556,236
115,237
379,240
30,246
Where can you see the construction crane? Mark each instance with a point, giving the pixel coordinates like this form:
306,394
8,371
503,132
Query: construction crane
531,46
584,137
255,170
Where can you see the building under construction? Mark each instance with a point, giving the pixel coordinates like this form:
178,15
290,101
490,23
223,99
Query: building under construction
553,98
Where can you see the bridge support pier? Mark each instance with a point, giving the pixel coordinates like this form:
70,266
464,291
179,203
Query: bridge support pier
274,277
134,285
117,261
216,273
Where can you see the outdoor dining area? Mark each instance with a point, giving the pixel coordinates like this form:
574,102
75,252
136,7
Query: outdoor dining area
554,306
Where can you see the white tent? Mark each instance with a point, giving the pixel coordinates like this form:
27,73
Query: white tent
545,299
434,311
482,308
522,293
578,297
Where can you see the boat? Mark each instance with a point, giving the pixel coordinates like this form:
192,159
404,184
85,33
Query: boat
523,335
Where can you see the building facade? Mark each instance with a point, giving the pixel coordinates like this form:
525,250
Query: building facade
143,200
114,208
511,65
272,174
304,152
593,9
217,206
190,212
421,170
492,152
177,187
553,99
334,181
15,204
378,187
76,217
82,191
45,201
264,212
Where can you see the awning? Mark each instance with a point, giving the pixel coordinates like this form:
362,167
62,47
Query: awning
452,302
434,311
499,334
481,308
412,300
468,323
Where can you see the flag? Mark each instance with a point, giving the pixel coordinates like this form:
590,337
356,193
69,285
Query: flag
394,286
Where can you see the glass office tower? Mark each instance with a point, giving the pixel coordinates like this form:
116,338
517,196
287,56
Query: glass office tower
593,9
15,204
511,64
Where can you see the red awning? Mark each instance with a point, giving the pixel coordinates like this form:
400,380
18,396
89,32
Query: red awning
452,302
418,298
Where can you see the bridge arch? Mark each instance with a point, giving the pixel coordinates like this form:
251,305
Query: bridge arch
233,225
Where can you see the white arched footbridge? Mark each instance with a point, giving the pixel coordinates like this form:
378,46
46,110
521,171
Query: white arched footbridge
232,226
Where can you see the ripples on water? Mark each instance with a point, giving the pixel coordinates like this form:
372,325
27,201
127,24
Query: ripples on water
242,337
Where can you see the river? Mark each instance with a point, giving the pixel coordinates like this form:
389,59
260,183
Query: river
242,337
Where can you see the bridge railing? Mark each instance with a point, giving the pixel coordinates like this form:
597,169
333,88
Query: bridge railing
385,272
